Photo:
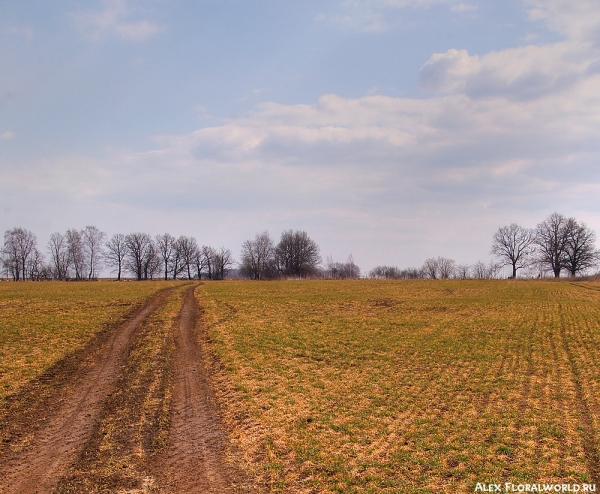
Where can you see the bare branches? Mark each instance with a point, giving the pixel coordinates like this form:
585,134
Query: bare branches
258,257
19,244
115,253
92,242
514,245
59,255
138,247
551,241
342,270
165,245
438,268
557,244
563,243
580,251
297,255
216,262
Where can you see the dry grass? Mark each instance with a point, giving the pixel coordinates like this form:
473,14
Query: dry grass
133,429
372,386
40,323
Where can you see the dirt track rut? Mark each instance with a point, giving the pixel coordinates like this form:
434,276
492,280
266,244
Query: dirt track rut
37,468
195,459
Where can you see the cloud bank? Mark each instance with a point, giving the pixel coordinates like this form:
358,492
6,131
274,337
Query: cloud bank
506,136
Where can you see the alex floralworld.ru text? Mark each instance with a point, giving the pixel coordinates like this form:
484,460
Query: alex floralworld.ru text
510,487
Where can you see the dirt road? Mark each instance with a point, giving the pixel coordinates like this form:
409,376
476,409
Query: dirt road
195,461
61,440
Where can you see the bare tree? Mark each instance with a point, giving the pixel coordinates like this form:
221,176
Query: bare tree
352,270
209,261
580,252
115,253
199,262
479,270
77,255
165,245
430,268
137,247
188,250
493,270
385,273
177,265
19,244
440,267
463,271
215,263
514,245
395,273
551,240
92,243
446,267
482,271
297,254
258,257
36,267
411,274
222,260
59,255
151,261
342,270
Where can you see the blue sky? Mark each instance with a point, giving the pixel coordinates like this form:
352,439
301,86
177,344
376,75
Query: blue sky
394,130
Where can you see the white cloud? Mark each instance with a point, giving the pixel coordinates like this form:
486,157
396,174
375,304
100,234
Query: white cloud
368,154
578,20
419,167
7,136
448,72
523,72
114,20
393,178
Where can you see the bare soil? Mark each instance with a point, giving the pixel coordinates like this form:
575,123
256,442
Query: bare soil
49,430
198,458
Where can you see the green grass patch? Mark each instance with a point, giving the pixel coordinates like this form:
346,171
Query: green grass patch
411,386
40,323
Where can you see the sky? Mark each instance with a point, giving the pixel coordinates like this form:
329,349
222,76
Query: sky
392,130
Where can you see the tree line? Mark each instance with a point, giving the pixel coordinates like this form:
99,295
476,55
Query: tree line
555,245
81,254
296,255
438,268
558,243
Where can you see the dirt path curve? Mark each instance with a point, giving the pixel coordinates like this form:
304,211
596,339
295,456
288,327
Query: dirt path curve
39,466
196,456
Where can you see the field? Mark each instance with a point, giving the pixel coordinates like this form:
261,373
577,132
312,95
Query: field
422,386
40,323
322,386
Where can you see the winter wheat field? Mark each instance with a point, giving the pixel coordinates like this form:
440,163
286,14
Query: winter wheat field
300,386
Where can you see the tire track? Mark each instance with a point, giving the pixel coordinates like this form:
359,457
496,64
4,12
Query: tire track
38,467
196,459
